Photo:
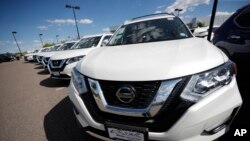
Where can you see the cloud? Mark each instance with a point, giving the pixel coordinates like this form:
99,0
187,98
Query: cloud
223,13
60,22
7,42
185,5
36,41
106,29
19,42
157,11
85,21
160,7
42,27
3,43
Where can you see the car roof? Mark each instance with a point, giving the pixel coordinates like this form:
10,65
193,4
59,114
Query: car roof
94,35
149,17
71,42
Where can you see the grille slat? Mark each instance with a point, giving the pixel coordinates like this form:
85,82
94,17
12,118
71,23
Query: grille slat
56,63
169,114
145,92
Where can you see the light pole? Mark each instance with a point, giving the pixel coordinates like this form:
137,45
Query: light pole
57,38
212,20
40,35
178,11
77,8
13,33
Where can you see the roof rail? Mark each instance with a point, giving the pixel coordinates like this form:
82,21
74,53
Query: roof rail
151,15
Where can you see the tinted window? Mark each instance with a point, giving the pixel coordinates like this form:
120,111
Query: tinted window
150,31
243,19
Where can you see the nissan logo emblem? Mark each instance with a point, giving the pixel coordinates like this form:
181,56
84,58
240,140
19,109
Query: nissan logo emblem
126,94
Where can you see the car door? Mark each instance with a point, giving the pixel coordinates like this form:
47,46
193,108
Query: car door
238,39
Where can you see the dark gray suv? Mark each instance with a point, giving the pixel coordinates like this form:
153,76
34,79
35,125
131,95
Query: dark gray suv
233,37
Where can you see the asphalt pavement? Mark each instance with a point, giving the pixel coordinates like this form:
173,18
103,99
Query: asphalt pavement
34,107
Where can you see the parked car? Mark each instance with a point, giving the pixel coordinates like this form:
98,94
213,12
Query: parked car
233,36
29,56
67,45
202,32
35,55
41,54
47,55
7,57
155,81
60,65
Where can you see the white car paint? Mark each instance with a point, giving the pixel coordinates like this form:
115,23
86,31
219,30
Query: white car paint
155,61
131,62
75,53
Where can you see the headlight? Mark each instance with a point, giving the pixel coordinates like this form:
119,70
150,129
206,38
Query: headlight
202,84
78,81
74,59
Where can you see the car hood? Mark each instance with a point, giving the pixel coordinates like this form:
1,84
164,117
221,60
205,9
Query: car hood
72,53
152,61
49,54
29,54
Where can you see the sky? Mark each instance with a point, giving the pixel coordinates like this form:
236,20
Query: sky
29,18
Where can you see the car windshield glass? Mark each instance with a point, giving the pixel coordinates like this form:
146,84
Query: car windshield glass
150,31
55,48
66,46
44,50
88,42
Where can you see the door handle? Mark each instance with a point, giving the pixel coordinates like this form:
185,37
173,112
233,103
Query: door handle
234,37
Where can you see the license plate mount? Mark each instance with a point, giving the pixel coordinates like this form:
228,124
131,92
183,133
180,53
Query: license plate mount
126,133
56,73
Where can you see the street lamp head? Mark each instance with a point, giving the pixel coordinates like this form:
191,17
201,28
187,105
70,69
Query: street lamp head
77,7
178,9
57,35
40,34
14,32
68,6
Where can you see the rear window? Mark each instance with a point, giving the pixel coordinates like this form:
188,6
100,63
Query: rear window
243,19
150,31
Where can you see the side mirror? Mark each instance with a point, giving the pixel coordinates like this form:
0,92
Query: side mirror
105,42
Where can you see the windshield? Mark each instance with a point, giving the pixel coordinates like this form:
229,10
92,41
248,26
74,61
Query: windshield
87,42
35,51
55,48
45,50
66,46
150,31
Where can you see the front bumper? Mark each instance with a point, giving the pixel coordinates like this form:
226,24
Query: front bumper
195,124
64,74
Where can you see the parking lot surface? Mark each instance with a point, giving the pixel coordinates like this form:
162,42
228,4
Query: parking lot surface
35,107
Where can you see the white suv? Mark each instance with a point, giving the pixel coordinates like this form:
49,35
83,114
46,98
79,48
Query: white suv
60,65
156,81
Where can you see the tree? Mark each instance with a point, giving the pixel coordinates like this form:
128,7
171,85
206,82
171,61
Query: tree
48,45
200,24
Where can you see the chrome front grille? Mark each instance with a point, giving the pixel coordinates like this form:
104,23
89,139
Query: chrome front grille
168,113
46,59
40,58
145,92
56,63
142,99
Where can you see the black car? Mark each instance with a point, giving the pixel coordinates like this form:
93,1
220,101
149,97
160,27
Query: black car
6,57
233,36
